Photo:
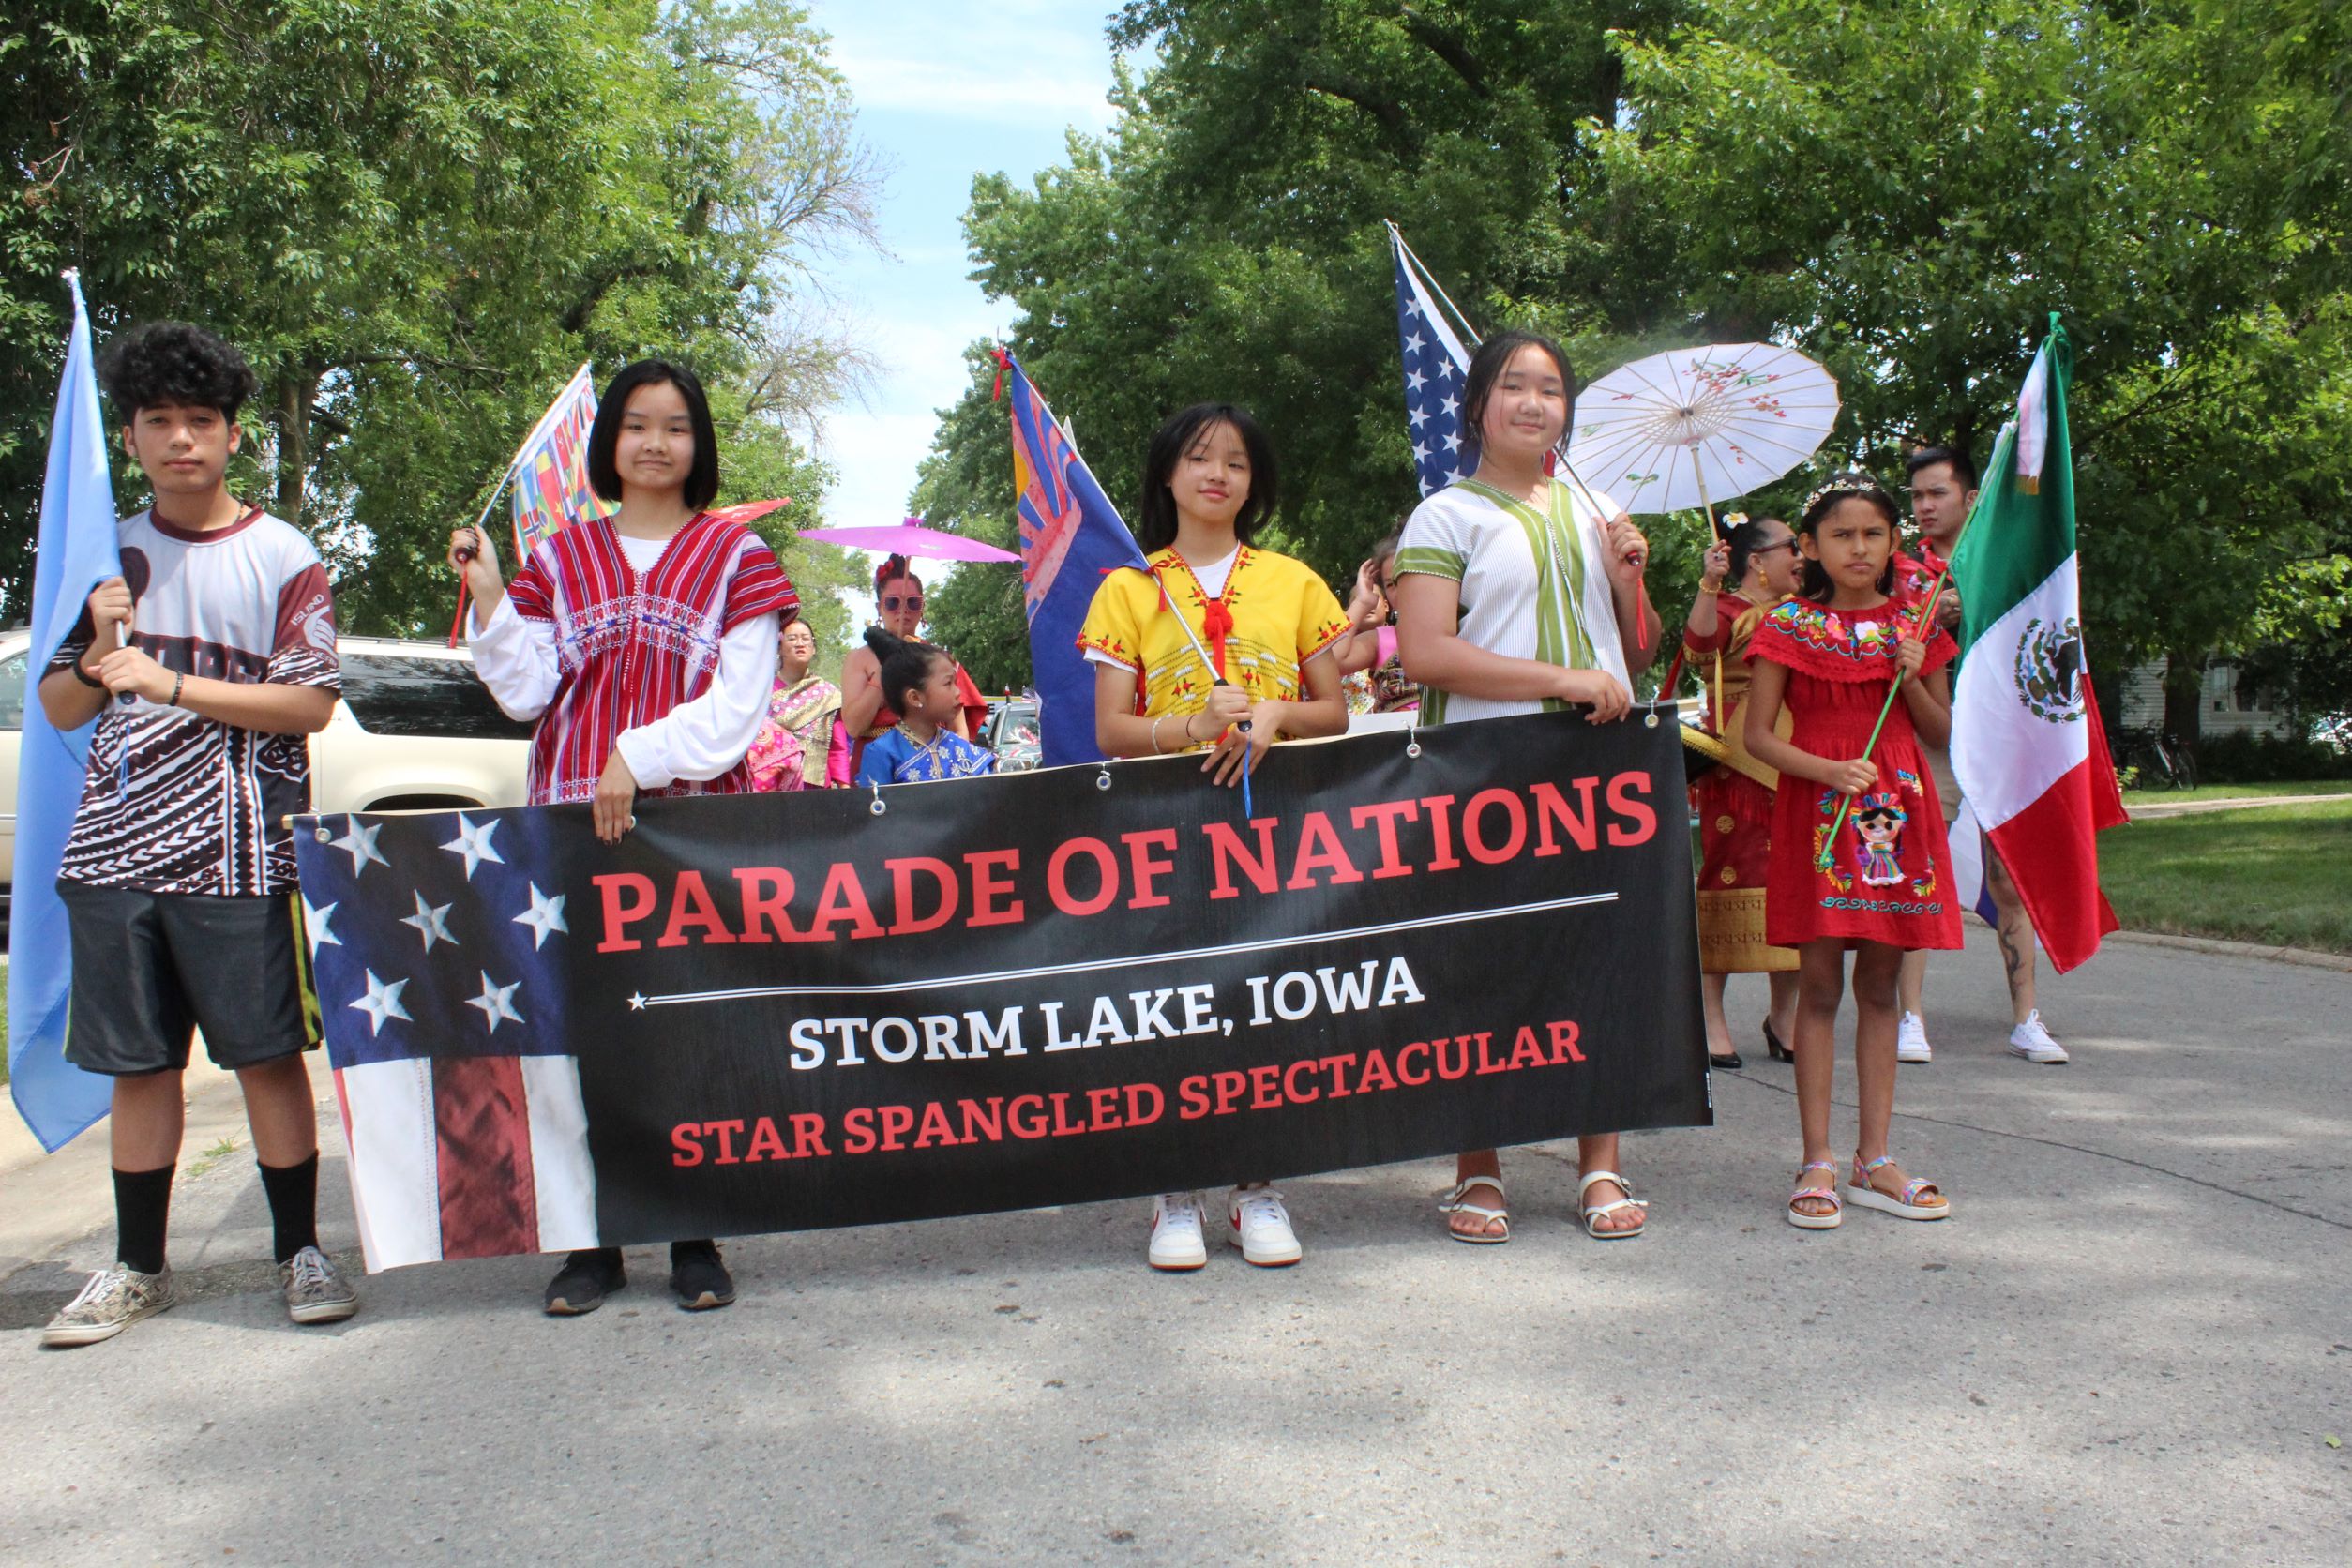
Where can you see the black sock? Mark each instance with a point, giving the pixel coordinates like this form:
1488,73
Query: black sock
294,1204
143,1207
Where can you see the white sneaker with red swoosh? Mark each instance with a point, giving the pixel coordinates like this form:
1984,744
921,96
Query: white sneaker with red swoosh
1261,1227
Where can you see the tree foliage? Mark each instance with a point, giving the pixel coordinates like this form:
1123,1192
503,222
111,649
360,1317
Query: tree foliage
415,217
1903,188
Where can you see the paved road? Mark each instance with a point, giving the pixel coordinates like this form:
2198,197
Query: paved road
2128,1346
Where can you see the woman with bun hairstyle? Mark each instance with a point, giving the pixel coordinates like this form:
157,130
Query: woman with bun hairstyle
1743,574
1268,623
864,712
918,682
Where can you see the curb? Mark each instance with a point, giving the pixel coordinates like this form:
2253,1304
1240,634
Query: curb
2305,957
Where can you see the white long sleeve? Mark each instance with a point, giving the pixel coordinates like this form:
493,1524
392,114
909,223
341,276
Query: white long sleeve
516,659
706,736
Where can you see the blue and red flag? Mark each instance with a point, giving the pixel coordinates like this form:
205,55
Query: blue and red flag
1071,537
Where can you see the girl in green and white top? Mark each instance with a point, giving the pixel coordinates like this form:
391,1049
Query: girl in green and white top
1515,596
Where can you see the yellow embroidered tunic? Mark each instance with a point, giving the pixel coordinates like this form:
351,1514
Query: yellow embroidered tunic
1273,615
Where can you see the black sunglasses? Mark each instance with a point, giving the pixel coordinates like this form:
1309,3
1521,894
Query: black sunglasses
912,601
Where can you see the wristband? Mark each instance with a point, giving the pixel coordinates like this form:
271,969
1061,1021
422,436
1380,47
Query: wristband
178,679
85,677
1156,735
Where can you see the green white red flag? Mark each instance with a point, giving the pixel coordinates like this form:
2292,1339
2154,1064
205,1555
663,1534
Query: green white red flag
2026,743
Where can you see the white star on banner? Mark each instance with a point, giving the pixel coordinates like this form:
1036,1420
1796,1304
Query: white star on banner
380,1002
1451,406
546,914
474,844
1419,416
637,1003
314,919
494,1004
360,844
1453,441
431,923
1415,344
1414,380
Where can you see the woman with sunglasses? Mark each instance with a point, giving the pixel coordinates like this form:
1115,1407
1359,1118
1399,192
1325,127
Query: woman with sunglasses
1734,800
898,597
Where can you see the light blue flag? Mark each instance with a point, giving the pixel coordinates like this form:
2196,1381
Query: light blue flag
77,553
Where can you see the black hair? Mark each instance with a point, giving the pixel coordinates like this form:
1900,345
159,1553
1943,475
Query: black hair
160,363
1962,467
1848,484
702,480
1486,368
1388,543
1745,538
891,571
906,664
1155,527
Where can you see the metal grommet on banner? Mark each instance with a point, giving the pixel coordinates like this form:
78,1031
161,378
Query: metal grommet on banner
880,806
1102,779
1650,720
1413,740
321,836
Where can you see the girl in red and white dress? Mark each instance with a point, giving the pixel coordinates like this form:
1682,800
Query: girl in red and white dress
645,647
1829,656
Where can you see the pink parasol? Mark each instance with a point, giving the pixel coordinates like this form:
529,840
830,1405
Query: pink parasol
909,538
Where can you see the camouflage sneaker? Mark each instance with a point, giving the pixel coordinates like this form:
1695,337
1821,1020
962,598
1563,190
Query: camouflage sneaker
315,1293
114,1300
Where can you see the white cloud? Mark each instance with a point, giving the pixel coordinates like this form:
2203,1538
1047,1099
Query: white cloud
974,88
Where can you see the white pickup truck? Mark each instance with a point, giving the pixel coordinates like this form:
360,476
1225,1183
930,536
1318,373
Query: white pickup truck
416,731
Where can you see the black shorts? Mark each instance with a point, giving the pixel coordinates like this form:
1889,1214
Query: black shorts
150,968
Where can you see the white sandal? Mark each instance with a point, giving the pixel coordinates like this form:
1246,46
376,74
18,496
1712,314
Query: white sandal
1591,1214
1455,1203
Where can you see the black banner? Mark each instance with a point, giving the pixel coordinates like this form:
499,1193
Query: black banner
843,1007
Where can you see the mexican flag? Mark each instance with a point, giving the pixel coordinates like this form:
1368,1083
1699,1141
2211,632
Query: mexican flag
2027,744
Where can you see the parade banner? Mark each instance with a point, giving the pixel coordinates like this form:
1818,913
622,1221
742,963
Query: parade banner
763,1013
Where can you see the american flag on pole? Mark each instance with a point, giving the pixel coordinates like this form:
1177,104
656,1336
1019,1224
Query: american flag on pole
1436,366
433,961
550,468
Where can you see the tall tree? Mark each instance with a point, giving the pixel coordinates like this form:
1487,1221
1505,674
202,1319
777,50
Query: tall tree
416,217
1903,190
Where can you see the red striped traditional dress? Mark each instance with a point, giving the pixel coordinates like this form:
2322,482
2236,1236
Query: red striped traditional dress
629,650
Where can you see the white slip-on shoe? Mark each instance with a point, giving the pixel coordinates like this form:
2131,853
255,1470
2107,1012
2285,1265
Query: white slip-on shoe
1178,1241
1261,1227
2032,1042
1910,1041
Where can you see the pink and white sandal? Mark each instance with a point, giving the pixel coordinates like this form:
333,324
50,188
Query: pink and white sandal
1919,1199
1827,1190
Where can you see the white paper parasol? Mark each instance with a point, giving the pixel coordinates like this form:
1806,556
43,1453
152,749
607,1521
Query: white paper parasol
1692,427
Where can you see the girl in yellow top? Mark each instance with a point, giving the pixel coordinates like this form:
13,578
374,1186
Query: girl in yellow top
1268,623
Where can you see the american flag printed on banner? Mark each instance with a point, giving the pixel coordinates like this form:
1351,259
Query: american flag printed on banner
1436,368
550,468
435,964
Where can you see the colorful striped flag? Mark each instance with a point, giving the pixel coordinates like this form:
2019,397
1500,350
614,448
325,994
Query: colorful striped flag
551,469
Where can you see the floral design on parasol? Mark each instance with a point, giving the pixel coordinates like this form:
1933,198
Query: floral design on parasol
1692,427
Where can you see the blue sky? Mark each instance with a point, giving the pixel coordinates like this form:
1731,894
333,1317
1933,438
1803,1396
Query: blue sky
943,91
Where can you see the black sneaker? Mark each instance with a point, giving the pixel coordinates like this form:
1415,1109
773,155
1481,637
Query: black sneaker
583,1282
701,1280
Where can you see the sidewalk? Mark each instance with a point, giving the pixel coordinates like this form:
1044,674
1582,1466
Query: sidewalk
2231,803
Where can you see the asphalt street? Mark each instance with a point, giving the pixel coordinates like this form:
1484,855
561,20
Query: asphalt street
2131,1344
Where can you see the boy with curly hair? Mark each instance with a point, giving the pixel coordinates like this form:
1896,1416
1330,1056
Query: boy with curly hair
206,663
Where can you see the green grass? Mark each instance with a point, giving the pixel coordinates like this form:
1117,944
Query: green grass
2236,791
2271,874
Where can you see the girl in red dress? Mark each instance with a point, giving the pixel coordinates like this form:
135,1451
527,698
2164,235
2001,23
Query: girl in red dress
1829,656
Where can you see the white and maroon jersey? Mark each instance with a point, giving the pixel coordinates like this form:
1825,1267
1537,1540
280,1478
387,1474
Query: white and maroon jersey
630,648
174,803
